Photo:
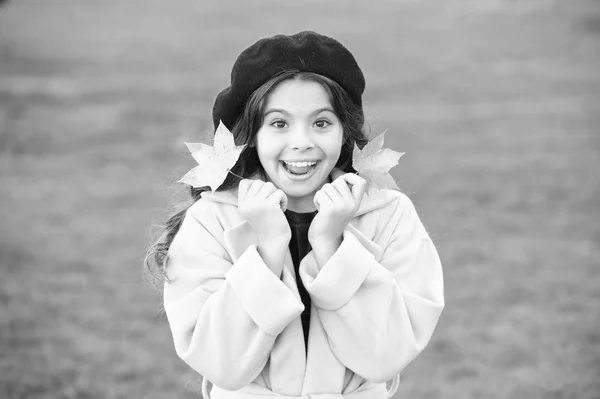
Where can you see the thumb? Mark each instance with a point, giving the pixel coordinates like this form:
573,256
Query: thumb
316,199
283,202
281,198
357,184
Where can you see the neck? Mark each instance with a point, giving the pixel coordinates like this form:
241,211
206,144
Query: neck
306,203
301,205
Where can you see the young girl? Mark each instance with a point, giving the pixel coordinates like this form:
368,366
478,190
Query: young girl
288,281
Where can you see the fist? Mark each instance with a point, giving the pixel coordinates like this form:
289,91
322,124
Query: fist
262,205
337,203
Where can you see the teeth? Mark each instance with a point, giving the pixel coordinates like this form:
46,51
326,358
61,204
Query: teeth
300,164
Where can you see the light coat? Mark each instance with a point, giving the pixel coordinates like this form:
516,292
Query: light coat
375,303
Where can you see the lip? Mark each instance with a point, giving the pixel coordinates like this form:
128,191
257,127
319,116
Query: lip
307,176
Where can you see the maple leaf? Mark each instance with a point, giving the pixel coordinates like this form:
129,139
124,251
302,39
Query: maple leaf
214,162
373,163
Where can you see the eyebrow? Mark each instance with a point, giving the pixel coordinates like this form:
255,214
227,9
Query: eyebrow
283,111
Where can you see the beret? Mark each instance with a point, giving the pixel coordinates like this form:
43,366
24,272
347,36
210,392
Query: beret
305,51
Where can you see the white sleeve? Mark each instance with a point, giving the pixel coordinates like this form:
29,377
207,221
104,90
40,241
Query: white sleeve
224,315
379,304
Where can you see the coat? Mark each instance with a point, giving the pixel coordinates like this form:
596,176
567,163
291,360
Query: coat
375,303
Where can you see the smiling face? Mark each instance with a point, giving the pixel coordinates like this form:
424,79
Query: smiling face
299,141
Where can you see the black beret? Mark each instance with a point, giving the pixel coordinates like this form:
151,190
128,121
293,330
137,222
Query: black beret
305,51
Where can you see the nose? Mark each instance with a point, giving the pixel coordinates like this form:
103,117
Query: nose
301,138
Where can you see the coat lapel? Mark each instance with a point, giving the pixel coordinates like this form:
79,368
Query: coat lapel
287,361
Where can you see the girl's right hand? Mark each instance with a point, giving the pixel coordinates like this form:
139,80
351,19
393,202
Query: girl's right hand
262,205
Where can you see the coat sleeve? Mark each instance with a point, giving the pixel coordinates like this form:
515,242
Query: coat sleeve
379,303
224,315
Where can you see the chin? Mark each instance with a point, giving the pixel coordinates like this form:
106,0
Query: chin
297,192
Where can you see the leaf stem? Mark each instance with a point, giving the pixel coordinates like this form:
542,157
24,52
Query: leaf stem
229,171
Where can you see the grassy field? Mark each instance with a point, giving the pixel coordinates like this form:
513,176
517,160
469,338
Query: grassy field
496,103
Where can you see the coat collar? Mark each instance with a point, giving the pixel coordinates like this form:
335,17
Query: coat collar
373,198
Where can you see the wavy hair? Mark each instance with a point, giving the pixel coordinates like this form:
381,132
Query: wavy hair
244,131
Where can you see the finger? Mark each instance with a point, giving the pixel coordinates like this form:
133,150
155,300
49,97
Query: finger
342,187
243,189
357,184
253,188
280,197
266,190
320,199
332,192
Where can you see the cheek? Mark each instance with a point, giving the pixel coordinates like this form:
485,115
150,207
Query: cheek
334,146
266,148
261,144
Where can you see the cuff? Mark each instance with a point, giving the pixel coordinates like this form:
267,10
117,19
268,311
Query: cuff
336,283
266,299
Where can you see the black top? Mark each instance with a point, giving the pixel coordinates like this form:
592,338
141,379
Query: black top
299,247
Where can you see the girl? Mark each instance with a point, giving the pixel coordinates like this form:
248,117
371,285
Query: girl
288,281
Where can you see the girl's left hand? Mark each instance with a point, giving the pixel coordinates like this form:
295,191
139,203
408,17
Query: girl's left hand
337,203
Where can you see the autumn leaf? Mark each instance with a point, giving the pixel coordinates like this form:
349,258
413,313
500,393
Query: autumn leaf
373,163
214,163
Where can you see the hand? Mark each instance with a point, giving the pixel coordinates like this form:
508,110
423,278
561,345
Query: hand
262,205
337,203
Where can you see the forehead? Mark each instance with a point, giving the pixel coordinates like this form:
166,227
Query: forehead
298,96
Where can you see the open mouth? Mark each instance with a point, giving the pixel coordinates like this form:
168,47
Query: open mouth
299,168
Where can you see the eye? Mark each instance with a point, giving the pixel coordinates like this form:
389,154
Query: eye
322,123
279,124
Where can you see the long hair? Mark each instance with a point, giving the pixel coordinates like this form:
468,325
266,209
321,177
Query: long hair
244,131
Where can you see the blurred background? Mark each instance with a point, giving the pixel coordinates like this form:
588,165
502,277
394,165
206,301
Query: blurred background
495,102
